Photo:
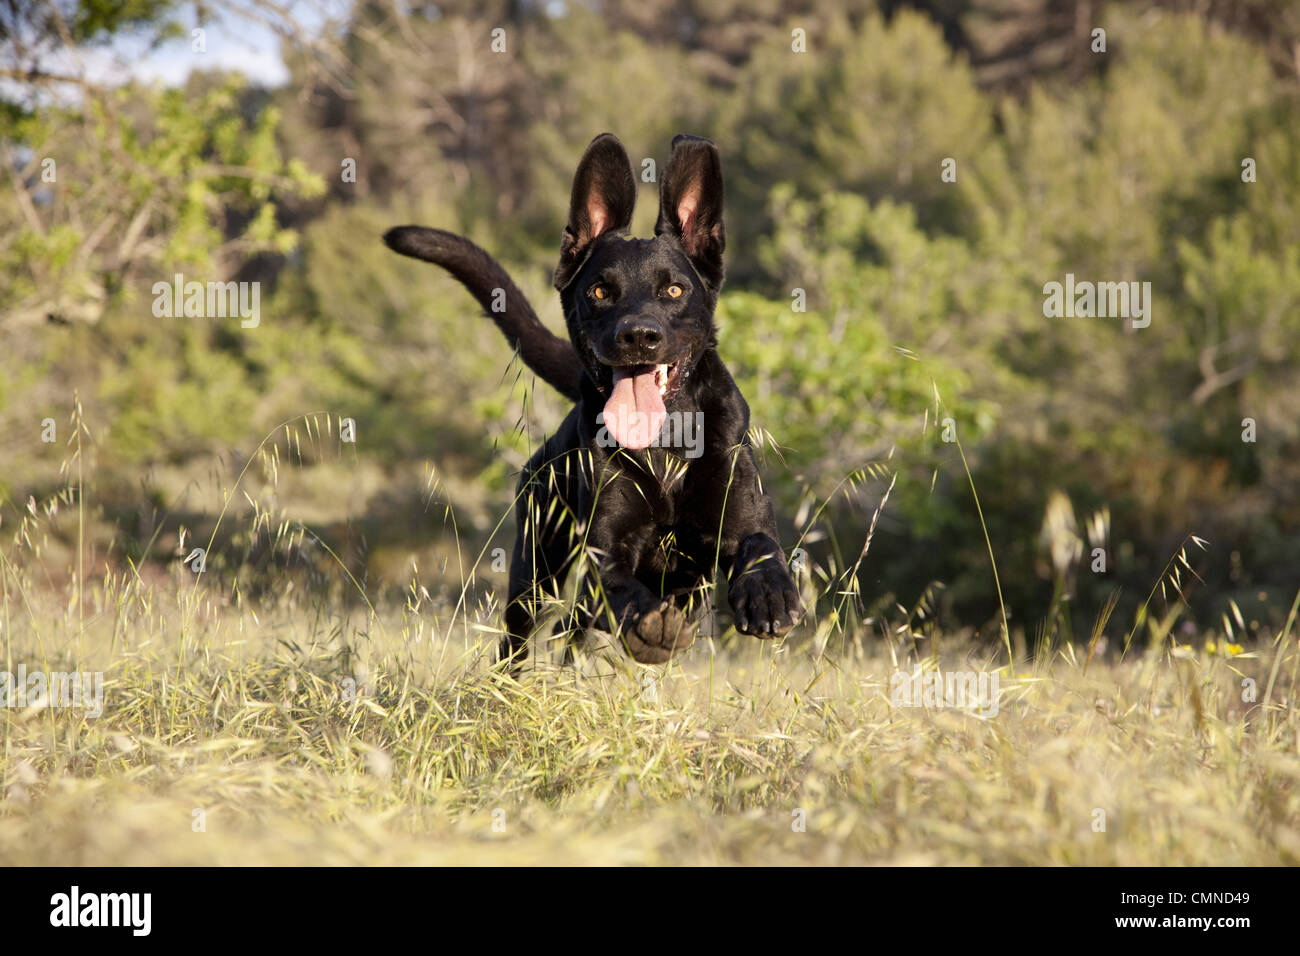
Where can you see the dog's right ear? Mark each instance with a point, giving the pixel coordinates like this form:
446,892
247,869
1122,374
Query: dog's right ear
604,195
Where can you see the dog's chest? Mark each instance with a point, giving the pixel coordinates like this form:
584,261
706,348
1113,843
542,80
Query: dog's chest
664,484
675,557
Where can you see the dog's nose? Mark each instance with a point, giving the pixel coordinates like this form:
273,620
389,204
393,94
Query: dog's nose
639,334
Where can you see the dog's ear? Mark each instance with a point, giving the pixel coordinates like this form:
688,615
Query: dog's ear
604,195
690,204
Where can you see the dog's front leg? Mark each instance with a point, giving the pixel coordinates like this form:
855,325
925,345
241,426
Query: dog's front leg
653,629
764,598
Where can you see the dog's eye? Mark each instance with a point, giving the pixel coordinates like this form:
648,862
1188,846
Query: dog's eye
598,292
674,291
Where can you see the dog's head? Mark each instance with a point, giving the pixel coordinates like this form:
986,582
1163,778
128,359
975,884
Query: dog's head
640,311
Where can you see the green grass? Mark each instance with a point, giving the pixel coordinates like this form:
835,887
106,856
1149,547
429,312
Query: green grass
300,728
440,759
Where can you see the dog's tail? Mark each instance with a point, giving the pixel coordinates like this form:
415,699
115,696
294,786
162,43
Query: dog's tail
554,359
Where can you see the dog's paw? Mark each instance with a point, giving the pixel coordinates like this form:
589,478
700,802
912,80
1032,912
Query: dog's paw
658,634
764,599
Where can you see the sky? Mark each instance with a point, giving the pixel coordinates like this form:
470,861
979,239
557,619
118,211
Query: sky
234,43
253,49
229,42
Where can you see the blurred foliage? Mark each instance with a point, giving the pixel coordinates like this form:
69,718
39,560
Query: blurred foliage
921,297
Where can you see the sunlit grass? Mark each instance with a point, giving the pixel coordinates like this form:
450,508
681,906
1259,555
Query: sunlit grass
437,757
300,728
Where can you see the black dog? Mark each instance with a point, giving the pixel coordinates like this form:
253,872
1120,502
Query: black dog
656,519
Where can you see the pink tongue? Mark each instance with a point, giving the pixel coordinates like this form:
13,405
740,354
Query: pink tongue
635,410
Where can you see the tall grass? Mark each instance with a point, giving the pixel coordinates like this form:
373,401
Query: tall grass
348,723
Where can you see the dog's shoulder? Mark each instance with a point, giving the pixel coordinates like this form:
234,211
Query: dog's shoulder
726,413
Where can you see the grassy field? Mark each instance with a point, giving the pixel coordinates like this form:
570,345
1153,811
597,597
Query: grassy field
288,735
313,720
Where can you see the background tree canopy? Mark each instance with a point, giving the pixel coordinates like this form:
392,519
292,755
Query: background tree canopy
1172,157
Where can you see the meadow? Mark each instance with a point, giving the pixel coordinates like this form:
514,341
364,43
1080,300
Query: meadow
300,727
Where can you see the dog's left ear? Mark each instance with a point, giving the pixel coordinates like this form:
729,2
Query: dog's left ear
690,204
